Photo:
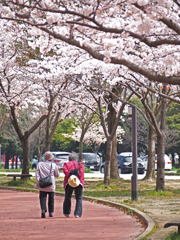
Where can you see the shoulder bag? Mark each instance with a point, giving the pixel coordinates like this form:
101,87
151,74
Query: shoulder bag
46,181
75,171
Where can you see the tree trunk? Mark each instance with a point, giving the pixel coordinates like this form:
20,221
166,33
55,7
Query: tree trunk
12,166
85,123
81,148
48,145
25,147
40,145
16,161
108,162
113,159
7,163
150,174
51,125
47,142
114,173
160,181
25,137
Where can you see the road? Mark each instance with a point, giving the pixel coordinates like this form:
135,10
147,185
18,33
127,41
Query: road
127,176
21,219
98,174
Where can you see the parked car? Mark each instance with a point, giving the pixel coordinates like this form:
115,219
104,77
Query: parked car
59,158
34,163
15,158
167,162
125,154
91,161
125,164
14,163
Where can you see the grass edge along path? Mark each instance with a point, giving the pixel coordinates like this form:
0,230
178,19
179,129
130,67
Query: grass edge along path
148,223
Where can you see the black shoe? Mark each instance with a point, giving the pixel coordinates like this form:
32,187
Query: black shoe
51,214
43,214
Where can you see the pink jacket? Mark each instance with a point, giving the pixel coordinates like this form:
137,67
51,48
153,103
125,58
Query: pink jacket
67,167
43,170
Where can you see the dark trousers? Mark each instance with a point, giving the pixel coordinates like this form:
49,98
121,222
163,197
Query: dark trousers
42,197
67,200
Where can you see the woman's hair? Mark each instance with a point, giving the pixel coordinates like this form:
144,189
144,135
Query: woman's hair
73,156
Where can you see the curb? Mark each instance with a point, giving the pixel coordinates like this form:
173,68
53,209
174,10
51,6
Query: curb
144,217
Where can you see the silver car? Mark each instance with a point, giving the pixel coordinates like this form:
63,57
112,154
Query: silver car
34,163
59,159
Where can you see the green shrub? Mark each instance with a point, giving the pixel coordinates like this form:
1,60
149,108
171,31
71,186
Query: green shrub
87,170
1,167
176,165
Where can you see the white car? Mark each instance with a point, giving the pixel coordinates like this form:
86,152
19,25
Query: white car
125,154
167,161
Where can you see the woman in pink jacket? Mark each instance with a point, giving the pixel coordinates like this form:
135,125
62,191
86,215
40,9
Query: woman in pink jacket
67,167
43,170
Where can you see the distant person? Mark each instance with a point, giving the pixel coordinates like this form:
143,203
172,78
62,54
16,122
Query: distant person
72,183
43,170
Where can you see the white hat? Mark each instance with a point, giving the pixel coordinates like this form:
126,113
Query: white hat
73,181
48,156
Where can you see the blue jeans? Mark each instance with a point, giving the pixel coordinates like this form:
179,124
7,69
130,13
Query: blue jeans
67,200
43,197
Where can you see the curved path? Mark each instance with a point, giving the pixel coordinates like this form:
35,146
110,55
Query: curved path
20,218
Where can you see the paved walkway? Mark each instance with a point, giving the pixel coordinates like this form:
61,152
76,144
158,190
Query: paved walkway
20,218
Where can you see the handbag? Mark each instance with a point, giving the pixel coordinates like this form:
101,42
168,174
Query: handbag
46,181
74,171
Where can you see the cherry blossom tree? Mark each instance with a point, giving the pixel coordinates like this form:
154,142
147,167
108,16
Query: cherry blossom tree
19,97
37,141
94,136
3,118
155,109
28,83
134,34
85,120
111,108
138,36
96,84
